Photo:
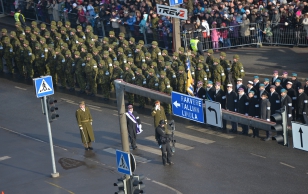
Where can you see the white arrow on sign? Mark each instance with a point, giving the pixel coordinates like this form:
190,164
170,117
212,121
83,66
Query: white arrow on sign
176,104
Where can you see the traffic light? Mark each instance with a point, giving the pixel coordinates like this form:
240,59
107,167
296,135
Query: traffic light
137,185
280,117
121,184
51,106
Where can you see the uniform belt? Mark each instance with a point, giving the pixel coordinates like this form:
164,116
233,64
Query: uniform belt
85,121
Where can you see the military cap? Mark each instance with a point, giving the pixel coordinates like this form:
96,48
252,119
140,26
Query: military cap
26,42
294,74
141,42
63,29
53,23
33,36
223,54
95,50
139,71
4,30
285,73
68,52
165,52
144,65
6,39
160,58
250,82
138,47
210,82
120,49
132,39
251,92
33,23
111,46
50,46
37,45
65,45
89,27
154,43
200,65
162,73
181,68
59,23
229,85
201,58
266,79
106,53
43,25
53,27
154,64
283,91
147,54
80,40
236,57
210,51
73,30
99,48
277,80
181,49
130,60
255,77
17,23
261,85
111,33
239,79
175,54
127,65
273,86
121,34
67,23
116,63
36,30
79,27
168,64
194,53
106,39
58,50
301,88
89,55
215,60
13,33
289,82
151,71
125,42
27,28
47,33
77,53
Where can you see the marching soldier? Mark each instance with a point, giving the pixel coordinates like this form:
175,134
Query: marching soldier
218,73
164,86
129,77
91,73
28,60
200,74
227,68
209,58
278,85
79,72
69,70
104,79
8,54
140,81
237,69
181,80
84,121
155,51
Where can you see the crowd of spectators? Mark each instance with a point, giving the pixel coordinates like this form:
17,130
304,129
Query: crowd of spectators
210,17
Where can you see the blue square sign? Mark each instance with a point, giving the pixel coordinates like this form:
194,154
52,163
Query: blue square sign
123,162
187,107
43,86
175,2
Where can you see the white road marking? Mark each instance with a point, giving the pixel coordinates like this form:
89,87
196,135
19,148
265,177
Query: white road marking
55,185
149,149
164,185
146,123
257,155
287,165
92,106
115,115
177,145
138,158
4,158
95,109
211,132
193,138
30,137
72,102
20,88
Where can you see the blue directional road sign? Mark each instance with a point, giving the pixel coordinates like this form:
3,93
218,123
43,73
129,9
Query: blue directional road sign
175,2
187,107
43,86
123,162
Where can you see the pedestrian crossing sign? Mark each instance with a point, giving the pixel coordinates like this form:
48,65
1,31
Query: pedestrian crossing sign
43,86
123,162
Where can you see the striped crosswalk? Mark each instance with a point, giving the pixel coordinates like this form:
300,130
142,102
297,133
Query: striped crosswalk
178,145
4,158
210,132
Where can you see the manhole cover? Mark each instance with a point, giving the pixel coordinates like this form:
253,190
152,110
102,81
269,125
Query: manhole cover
69,163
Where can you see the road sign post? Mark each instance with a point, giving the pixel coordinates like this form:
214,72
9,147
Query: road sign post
123,162
187,107
213,113
44,87
300,136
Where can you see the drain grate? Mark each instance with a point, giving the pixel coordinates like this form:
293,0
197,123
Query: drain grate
69,163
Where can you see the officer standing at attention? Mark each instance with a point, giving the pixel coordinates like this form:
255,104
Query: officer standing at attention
196,45
133,125
164,142
84,121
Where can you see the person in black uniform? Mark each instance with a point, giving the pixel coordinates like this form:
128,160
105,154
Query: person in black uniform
274,99
284,80
231,105
164,142
251,88
210,91
275,76
293,95
242,107
261,91
302,104
200,91
239,84
296,83
286,101
253,111
267,85
306,86
256,83
133,125
278,86
220,97
265,113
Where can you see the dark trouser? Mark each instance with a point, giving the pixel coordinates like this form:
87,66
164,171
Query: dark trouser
166,153
233,124
132,137
245,129
255,132
268,134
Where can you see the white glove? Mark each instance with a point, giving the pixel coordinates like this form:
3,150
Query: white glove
140,126
256,116
235,110
80,128
268,119
91,123
246,114
304,113
289,115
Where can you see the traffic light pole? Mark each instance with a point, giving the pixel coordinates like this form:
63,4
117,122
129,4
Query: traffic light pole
123,126
55,173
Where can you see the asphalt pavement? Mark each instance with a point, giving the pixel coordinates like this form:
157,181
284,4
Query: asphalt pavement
206,160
